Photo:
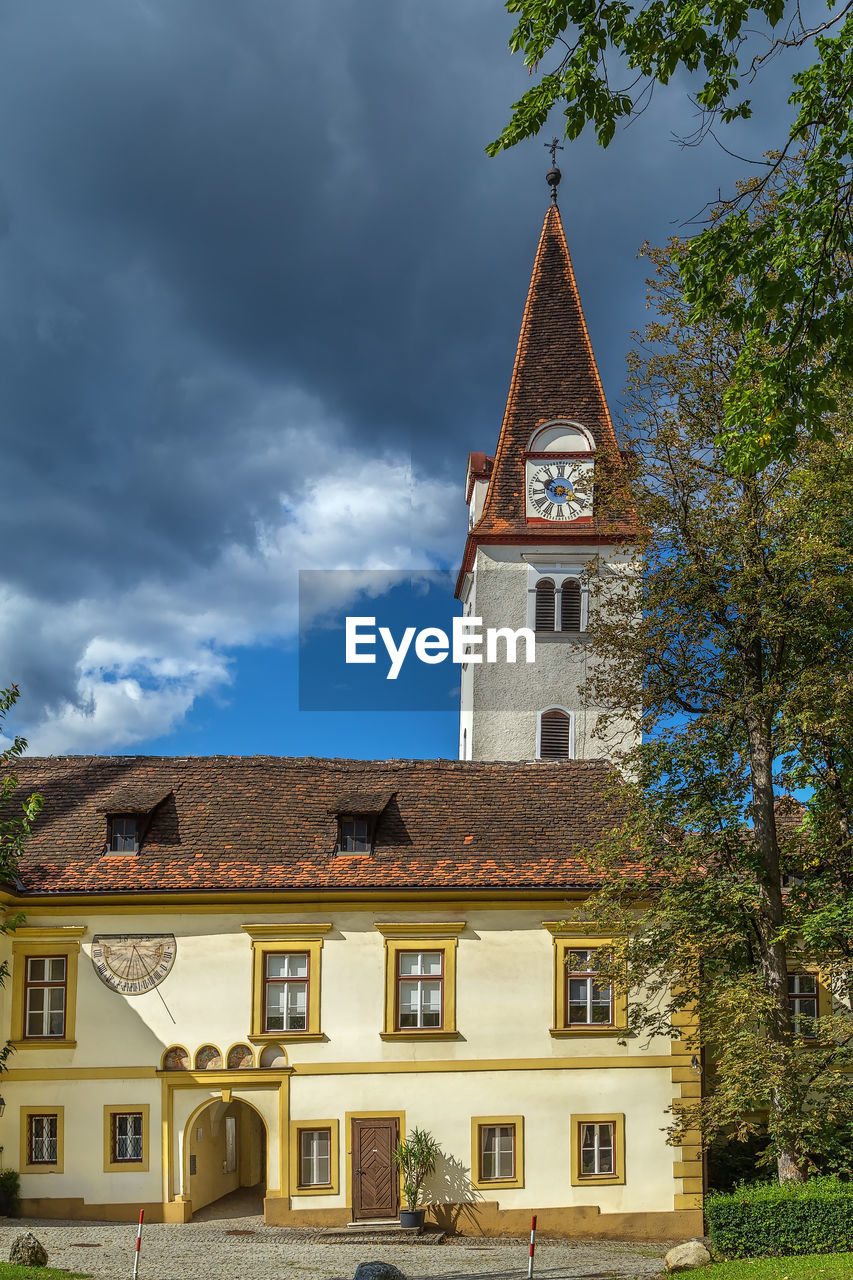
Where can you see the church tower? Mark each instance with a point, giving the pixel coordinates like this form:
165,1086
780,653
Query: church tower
537,528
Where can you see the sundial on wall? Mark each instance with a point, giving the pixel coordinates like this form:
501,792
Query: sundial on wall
133,962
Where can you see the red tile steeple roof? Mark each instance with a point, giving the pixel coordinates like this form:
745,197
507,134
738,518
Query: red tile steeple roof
555,376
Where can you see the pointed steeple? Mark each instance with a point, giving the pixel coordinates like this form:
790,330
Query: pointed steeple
555,376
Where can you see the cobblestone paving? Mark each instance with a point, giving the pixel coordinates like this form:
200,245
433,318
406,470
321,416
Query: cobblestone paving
206,1251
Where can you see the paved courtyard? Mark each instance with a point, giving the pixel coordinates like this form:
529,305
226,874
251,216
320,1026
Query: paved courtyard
207,1250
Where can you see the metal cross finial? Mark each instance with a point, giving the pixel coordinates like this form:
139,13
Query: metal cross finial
553,176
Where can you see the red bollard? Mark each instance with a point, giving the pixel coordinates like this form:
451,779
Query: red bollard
139,1243
532,1247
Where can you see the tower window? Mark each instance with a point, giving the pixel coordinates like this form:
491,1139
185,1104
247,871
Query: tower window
570,605
544,605
555,735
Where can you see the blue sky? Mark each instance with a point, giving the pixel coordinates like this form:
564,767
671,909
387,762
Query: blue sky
261,294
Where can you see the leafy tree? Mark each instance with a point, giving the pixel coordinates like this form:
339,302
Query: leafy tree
15,826
727,638
793,309
16,820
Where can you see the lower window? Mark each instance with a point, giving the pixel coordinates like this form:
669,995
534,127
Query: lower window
598,1149
315,1157
126,1147
126,1139
43,1139
497,1152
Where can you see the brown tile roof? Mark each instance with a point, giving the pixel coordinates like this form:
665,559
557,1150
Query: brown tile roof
266,823
555,376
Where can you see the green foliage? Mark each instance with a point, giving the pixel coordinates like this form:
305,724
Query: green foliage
11,1271
10,1191
796,1218
416,1158
835,1266
726,642
732,1163
794,311
14,826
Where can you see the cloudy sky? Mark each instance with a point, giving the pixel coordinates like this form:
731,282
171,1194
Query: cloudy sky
261,290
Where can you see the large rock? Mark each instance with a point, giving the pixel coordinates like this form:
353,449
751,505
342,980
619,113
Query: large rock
377,1271
26,1251
686,1257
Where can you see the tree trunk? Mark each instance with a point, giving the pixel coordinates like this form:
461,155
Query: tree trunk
773,957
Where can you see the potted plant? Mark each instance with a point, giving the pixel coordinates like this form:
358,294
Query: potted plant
416,1159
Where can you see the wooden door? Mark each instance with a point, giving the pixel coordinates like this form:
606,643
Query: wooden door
375,1180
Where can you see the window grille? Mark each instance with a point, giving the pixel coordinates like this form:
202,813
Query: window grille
127,1137
42,1139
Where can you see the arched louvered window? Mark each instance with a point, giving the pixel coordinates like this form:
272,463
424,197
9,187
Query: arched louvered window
570,605
545,605
555,735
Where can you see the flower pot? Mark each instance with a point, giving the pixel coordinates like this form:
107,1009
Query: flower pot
412,1217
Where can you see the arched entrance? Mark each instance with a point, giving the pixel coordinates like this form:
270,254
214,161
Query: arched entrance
226,1160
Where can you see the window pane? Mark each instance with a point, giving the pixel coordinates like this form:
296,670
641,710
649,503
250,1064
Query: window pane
489,1160
315,1157
297,1006
579,961
497,1148
431,1003
409,1004
420,962
600,1003
36,969
56,969
291,964
36,998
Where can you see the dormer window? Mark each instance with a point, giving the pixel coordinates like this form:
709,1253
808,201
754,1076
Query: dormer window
123,834
355,834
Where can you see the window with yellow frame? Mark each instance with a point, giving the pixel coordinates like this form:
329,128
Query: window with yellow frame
598,1150
286,981
44,986
42,1139
586,1003
497,1152
314,1158
126,1138
420,980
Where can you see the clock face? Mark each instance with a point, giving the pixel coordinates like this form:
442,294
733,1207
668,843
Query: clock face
133,962
551,492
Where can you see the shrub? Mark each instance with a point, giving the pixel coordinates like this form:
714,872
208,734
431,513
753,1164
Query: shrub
778,1220
732,1163
10,1188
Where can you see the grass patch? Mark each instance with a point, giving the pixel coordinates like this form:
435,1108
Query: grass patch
10,1271
812,1266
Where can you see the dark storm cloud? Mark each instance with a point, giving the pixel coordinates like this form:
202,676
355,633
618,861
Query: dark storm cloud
242,246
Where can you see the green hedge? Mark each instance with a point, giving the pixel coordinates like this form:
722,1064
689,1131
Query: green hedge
776,1221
